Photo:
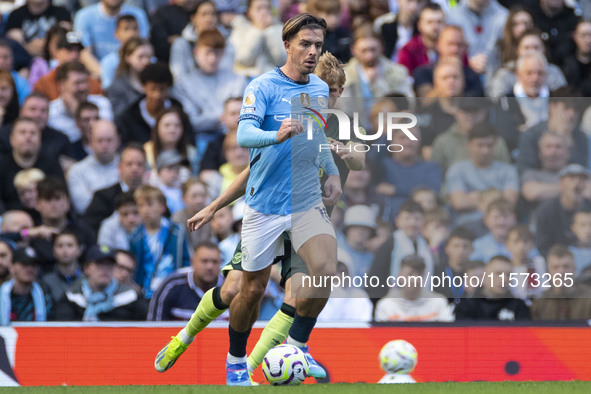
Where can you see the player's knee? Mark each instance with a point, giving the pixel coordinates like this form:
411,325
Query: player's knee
325,270
229,292
254,291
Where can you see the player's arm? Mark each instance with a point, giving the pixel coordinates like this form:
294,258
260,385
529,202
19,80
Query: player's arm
332,186
233,192
250,135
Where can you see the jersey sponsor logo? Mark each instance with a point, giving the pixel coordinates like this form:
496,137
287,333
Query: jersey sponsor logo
250,98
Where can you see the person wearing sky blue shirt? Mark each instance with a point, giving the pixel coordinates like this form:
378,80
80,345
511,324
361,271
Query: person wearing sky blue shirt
97,25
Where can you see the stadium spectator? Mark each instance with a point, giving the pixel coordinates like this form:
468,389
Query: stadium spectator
53,204
425,197
398,28
337,40
28,24
86,115
553,218
97,23
41,65
179,294
399,172
256,38
9,105
21,297
566,299
357,188
15,224
493,301
195,197
25,182
160,246
98,170
213,157
406,240
370,74
53,142
73,82
498,219
223,226
581,249
538,185
483,22
7,247
98,296
22,88
67,49
557,22
169,174
564,114
473,269
67,251
203,90
25,143
466,179
505,50
136,54
452,145
525,259
167,24
117,228
421,49
125,268
359,225
505,78
126,29
477,225
204,18
458,247
450,44
136,122
435,230
577,66
237,159
346,302
169,135
132,167
410,301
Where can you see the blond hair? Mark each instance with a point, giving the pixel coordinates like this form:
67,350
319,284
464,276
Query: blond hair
330,70
28,178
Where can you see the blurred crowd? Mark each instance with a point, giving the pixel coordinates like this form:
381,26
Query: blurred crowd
118,123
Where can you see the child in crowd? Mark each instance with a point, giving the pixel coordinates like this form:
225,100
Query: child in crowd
436,230
67,252
169,176
194,192
457,253
426,198
117,228
525,259
160,245
499,218
477,226
126,28
581,228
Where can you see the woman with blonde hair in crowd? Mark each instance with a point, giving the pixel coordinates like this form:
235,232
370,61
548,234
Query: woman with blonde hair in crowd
135,54
25,182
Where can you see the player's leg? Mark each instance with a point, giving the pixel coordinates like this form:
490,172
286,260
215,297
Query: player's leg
213,303
276,330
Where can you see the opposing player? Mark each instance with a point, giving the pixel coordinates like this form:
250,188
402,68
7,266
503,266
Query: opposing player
216,300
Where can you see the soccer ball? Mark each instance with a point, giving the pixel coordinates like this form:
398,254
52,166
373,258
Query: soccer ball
285,365
398,356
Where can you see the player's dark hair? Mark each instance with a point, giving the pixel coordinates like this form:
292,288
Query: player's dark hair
409,206
64,70
300,22
125,18
85,106
156,73
482,130
124,199
413,261
52,187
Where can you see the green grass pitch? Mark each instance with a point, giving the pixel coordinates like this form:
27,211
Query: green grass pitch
340,388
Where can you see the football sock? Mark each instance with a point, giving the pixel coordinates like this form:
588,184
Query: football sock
274,334
235,360
209,308
300,330
238,342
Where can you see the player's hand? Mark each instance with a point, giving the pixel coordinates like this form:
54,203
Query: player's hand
44,232
332,190
289,127
201,218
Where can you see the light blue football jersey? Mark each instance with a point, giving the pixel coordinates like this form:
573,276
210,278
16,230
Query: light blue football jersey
284,177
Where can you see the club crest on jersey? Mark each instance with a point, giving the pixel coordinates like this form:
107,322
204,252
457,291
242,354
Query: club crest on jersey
322,102
250,98
305,99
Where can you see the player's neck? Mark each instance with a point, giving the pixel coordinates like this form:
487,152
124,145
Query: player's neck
293,74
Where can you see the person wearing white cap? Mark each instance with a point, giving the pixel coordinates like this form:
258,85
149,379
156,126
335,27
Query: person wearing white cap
554,217
359,226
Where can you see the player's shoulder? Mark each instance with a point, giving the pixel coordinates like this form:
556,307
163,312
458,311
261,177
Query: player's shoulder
315,80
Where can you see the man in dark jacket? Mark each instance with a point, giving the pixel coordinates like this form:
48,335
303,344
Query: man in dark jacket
98,296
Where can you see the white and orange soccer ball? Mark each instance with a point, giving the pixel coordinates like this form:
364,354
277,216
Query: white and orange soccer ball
285,365
398,357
